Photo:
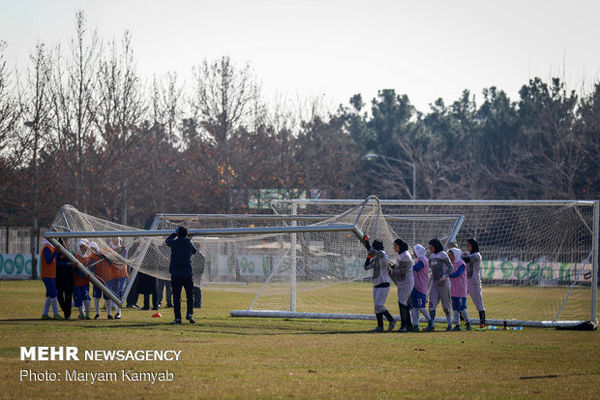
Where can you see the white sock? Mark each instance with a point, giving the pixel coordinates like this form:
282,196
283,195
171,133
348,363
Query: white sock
108,306
414,316
97,305
449,319
465,316
80,308
117,309
54,303
425,313
46,306
456,319
86,305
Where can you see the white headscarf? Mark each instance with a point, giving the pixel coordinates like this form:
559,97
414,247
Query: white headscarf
94,247
83,242
457,253
115,245
420,251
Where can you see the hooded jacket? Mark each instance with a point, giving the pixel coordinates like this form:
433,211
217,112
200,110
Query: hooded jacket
458,277
421,269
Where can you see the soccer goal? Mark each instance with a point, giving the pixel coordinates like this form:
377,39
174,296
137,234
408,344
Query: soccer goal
540,257
291,263
147,252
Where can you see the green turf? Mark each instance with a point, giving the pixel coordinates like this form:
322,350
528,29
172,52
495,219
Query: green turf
225,357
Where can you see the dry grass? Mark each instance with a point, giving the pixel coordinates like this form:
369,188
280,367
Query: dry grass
224,357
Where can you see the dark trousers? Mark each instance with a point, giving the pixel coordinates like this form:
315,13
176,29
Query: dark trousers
161,285
64,286
147,301
132,297
197,297
177,283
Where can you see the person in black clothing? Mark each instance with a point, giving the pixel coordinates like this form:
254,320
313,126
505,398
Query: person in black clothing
146,285
64,282
181,272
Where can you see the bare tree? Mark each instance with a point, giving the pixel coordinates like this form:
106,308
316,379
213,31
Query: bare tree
8,109
224,101
167,107
74,86
120,110
36,106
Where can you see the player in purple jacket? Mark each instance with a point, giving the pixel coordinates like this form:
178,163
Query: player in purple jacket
458,288
418,297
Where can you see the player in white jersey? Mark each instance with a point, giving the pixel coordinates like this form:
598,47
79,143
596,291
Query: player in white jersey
472,260
377,260
439,289
401,274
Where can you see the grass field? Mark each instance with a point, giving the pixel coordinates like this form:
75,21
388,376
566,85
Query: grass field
225,357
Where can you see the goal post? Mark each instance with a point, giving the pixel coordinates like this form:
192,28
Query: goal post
540,256
135,239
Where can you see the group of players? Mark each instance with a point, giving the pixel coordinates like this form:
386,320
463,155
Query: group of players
454,275
69,286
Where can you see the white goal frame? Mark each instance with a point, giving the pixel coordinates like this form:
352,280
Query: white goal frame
595,255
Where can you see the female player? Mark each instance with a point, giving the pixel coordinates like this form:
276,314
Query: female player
472,259
101,270
458,289
48,274
81,283
418,297
377,260
401,274
118,273
439,289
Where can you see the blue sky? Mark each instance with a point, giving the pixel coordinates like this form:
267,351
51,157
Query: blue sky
426,49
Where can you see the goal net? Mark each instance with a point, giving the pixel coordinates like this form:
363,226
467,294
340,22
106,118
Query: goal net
540,257
291,263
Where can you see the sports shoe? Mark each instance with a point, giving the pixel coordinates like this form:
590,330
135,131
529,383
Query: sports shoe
377,329
109,316
46,316
456,328
87,317
392,325
81,316
468,327
190,318
97,316
118,316
176,322
415,328
402,329
58,317
449,328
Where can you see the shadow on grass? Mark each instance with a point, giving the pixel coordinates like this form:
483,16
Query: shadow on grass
261,328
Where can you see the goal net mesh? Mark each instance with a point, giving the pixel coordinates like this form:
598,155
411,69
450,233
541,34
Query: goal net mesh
318,272
537,258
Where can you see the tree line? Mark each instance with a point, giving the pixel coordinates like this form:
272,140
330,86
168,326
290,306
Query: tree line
80,126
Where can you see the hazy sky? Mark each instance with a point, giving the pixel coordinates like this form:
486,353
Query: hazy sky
426,49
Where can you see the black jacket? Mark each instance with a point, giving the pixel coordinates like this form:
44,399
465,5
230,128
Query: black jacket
181,256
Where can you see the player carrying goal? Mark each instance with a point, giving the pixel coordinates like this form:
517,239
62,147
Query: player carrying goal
377,260
401,274
472,259
439,290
